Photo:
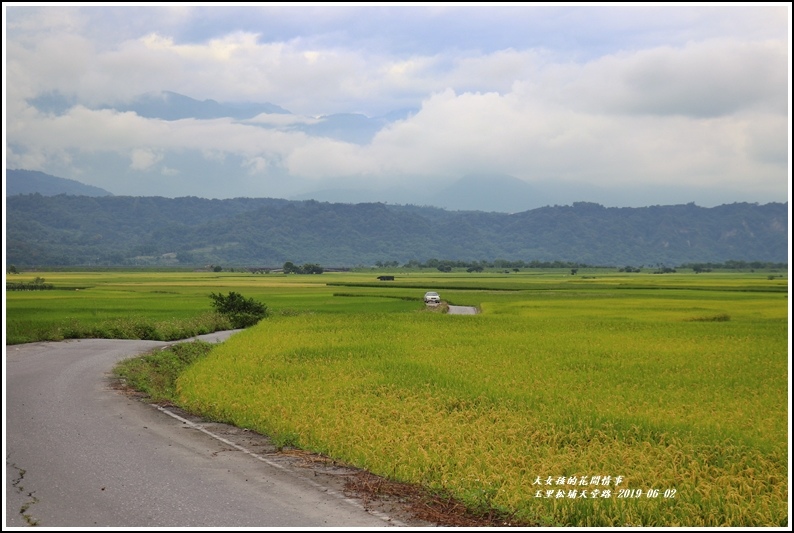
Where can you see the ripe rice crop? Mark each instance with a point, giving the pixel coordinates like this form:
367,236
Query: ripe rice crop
587,407
670,392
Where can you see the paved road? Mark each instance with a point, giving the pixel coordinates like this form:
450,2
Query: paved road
79,453
462,310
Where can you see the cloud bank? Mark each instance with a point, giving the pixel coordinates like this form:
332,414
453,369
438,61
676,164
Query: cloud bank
620,98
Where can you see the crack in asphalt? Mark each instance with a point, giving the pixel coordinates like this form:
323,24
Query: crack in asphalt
17,484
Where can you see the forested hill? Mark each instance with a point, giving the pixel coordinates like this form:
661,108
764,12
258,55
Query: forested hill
120,231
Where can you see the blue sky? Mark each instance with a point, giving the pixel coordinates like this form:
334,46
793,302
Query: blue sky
638,98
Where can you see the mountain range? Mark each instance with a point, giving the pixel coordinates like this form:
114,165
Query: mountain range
479,216
69,230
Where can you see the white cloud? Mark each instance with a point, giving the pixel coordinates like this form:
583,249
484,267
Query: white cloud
458,134
142,159
326,158
703,79
678,95
54,19
213,155
256,165
280,120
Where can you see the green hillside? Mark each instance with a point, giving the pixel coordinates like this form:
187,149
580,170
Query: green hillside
133,231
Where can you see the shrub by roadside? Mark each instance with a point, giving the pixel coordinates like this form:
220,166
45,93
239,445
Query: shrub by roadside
155,373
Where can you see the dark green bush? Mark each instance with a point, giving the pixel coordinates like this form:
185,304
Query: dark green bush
241,312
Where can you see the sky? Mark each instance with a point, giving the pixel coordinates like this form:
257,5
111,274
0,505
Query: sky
633,105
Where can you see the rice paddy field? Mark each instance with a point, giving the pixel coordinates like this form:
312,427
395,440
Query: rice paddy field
601,399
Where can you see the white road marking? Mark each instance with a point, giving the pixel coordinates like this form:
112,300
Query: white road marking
255,455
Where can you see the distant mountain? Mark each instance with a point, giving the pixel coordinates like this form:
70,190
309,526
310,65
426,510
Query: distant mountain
169,105
474,192
119,231
490,192
498,193
165,105
348,127
31,181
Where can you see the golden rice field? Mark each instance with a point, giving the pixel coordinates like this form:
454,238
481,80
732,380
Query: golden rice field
614,401
591,400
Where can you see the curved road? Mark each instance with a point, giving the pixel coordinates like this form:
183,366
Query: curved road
79,453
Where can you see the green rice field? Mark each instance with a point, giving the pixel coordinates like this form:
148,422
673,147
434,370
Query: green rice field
601,399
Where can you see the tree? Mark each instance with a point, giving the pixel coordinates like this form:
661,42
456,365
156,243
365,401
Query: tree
241,312
311,268
13,269
307,268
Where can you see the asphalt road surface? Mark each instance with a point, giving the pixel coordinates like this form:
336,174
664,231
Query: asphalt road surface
462,310
80,453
